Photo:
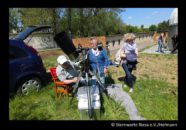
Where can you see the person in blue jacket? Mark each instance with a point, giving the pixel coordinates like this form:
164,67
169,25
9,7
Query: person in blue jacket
98,60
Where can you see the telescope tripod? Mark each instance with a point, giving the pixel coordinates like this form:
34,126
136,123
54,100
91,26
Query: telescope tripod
88,88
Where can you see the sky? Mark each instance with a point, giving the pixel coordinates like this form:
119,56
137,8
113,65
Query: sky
145,16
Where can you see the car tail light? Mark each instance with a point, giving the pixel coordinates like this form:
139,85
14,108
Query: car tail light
32,49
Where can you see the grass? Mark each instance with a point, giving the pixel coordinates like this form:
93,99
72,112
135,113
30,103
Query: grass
50,57
156,100
155,94
45,106
50,62
156,88
112,110
159,67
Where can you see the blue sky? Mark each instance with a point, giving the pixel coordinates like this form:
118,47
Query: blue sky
145,16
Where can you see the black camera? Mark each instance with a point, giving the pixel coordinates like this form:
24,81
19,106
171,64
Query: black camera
100,46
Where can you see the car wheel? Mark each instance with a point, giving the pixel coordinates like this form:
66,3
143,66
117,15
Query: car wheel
29,85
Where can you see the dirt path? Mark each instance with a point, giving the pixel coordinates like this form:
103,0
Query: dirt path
116,92
141,44
153,50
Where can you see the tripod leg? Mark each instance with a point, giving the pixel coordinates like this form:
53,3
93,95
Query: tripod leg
77,83
100,83
76,87
90,110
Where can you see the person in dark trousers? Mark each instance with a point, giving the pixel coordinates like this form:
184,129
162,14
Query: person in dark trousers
160,43
175,43
128,54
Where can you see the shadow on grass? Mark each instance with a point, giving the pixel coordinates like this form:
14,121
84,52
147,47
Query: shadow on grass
48,77
47,80
102,108
124,80
109,79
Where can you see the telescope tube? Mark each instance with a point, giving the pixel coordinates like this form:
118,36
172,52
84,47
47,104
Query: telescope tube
66,44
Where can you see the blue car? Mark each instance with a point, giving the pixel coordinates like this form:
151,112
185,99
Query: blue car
26,69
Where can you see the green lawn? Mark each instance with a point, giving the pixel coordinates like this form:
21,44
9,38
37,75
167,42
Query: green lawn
156,100
155,94
45,106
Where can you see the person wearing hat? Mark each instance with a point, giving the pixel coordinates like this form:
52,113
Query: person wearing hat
66,71
128,55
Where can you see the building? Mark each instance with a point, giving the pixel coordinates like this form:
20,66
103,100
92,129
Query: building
173,26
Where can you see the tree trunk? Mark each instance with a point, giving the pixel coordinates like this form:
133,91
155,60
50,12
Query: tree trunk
81,22
69,20
54,20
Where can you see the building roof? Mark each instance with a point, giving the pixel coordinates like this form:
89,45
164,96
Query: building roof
173,20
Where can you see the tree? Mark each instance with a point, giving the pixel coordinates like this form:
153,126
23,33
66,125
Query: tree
146,30
142,26
69,16
153,28
78,21
14,19
132,29
40,16
34,16
55,14
141,29
163,26
81,27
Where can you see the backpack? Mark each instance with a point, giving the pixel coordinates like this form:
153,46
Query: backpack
118,56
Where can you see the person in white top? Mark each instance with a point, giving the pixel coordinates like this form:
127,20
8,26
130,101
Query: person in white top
128,56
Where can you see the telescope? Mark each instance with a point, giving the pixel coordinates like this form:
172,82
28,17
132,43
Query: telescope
66,44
